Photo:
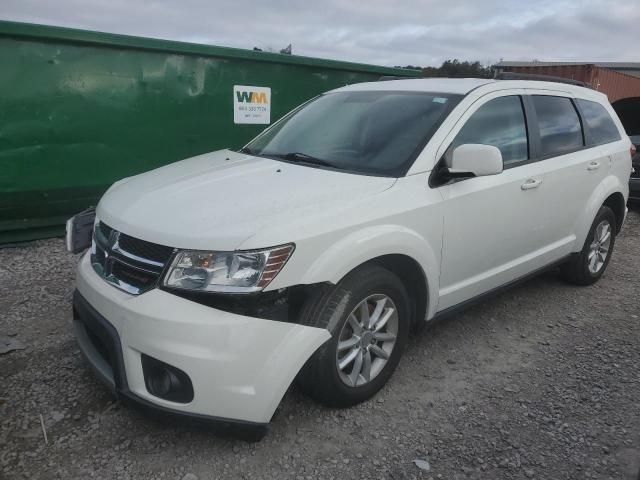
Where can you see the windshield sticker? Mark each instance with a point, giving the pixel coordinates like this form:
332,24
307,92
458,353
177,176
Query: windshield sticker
439,100
251,105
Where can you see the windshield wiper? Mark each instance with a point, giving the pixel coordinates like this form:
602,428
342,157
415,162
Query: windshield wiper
303,158
297,157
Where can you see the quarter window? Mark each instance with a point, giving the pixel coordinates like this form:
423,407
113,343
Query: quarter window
499,122
559,124
601,126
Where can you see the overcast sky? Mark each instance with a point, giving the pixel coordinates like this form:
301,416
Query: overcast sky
385,32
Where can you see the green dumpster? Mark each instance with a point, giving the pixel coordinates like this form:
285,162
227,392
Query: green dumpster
80,110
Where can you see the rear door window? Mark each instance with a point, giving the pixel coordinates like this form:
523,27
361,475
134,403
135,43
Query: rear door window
601,126
499,122
559,124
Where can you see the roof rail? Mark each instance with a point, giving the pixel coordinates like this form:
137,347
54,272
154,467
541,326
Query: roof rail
542,78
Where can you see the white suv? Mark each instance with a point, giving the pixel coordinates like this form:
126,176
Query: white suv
312,253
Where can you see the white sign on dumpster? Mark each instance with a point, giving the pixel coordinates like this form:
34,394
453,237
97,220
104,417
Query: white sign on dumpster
251,105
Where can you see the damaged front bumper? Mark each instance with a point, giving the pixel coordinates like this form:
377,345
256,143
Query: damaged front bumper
239,367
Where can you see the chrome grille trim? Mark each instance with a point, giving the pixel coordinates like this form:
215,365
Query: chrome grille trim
116,248
133,273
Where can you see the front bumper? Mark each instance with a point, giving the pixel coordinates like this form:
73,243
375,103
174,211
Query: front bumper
240,367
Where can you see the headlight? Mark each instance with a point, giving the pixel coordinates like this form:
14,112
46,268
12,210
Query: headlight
227,272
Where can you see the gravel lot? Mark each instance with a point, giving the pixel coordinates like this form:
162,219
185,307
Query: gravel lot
540,382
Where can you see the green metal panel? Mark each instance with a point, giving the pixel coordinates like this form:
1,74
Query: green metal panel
80,110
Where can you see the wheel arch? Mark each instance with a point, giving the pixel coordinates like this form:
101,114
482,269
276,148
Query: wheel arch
609,193
414,280
394,247
616,202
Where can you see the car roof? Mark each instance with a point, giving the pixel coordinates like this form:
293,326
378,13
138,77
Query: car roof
463,86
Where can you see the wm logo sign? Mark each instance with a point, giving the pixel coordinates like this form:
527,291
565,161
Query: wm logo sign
251,97
251,104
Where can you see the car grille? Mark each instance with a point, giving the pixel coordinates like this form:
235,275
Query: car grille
141,248
126,262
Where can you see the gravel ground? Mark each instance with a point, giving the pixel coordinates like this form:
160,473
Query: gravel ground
540,382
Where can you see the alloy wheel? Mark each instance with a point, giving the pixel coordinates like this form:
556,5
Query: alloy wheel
600,247
366,340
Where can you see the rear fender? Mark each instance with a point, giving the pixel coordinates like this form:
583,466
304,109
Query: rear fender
609,185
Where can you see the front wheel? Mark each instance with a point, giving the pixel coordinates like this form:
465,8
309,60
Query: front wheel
368,316
589,265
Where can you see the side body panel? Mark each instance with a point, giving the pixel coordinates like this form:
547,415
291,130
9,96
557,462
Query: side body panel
406,220
496,229
571,181
614,179
496,232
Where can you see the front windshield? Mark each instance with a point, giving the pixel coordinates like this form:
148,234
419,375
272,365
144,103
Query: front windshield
372,132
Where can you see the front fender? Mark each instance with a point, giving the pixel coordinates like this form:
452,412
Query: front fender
609,185
368,243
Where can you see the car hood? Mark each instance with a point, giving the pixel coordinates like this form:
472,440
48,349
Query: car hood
220,199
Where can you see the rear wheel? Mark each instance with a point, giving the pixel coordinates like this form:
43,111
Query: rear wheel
367,314
587,267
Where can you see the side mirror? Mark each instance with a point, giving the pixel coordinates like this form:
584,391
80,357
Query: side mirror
477,159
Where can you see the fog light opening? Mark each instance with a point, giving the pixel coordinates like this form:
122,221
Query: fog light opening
166,381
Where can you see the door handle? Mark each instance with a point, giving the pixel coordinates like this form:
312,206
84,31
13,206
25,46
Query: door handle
593,166
531,183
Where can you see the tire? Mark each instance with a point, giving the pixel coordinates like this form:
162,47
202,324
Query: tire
321,377
577,270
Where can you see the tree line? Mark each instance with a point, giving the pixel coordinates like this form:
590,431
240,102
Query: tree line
455,68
